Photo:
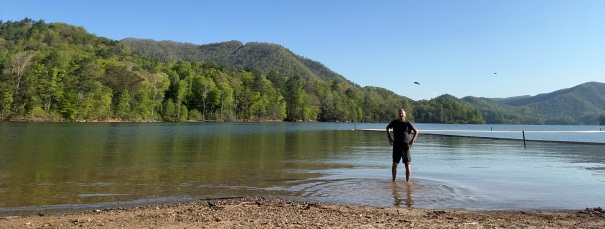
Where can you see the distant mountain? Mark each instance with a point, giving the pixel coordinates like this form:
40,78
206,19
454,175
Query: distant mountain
498,113
589,91
264,57
582,104
508,99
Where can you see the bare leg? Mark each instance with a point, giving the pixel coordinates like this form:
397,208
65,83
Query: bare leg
408,172
394,170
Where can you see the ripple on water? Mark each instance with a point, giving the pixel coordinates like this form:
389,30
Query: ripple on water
381,192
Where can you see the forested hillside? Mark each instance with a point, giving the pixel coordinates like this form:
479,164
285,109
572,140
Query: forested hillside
582,104
498,113
60,72
262,57
541,109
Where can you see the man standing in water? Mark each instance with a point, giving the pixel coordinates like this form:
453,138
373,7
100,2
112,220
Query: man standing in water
402,143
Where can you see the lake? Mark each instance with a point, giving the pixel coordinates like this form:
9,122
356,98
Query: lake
58,167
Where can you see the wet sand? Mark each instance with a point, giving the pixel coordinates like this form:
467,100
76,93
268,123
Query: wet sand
282,213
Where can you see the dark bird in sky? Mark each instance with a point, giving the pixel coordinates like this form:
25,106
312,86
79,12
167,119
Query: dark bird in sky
417,83
495,73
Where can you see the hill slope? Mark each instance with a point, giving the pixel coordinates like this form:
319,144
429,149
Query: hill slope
578,105
264,57
581,104
60,72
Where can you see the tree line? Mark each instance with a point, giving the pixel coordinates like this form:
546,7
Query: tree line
60,72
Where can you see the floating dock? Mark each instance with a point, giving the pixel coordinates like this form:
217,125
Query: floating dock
506,134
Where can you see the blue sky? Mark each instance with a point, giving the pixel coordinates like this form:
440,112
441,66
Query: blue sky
449,47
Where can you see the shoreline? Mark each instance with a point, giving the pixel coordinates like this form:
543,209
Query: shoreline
261,212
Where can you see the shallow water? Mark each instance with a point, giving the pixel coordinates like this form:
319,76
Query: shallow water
70,166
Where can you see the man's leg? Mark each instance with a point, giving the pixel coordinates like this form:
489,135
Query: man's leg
408,172
407,158
394,170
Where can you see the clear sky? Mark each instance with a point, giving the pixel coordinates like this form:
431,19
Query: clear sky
449,47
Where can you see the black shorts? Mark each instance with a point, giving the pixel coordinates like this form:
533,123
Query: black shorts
401,152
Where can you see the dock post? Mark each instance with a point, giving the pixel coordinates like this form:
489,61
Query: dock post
524,145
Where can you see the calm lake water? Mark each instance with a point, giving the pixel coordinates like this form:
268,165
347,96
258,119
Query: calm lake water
58,167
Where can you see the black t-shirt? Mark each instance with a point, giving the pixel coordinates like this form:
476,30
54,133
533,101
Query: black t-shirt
401,130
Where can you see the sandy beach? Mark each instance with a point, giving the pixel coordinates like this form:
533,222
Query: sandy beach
281,213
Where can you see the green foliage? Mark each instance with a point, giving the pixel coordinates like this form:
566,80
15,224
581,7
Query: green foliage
61,72
195,115
68,106
447,109
170,113
253,56
498,113
602,119
123,108
581,104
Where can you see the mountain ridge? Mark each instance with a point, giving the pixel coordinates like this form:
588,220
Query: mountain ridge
582,100
579,104
60,72
265,57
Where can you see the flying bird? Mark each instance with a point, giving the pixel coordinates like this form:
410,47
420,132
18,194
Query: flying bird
417,83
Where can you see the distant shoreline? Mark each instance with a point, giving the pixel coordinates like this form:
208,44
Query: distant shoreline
130,121
3,119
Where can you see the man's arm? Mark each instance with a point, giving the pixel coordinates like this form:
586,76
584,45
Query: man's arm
414,137
389,134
